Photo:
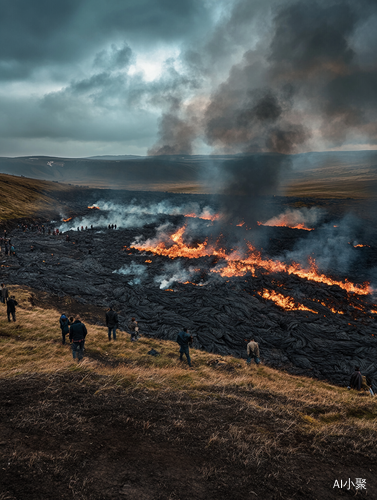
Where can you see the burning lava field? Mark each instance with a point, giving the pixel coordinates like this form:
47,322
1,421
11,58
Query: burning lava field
299,279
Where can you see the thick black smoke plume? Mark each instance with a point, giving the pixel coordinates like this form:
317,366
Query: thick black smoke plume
309,82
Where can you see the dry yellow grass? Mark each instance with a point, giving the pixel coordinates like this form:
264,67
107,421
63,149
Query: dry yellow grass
23,197
324,411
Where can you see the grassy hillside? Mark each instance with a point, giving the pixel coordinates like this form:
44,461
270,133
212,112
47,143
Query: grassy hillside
22,197
124,424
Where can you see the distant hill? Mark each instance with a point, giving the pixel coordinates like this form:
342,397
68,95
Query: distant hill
328,174
23,197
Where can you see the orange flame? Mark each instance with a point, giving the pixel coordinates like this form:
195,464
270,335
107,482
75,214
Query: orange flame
66,220
95,207
204,216
284,302
179,248
241,267
359,245
238,266
283,224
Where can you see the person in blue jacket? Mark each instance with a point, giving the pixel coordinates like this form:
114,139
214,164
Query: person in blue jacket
184,339
64,325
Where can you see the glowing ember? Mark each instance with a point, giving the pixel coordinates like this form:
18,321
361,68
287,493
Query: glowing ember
282,224
196,284
332,309
287,303
94,207
149,261
359,245
67,220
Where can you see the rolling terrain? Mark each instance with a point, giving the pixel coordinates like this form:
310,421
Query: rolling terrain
324,175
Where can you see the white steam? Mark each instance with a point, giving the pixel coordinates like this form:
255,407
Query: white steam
328,246
174,272
138,273
306,217
133,214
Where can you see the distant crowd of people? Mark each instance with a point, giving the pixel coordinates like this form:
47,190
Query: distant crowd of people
6,245
39,228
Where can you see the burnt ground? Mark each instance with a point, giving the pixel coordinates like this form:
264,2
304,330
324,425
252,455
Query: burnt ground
323,343
70,435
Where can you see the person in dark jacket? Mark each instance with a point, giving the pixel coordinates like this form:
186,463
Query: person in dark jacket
11,308
356,379
77,334
64,325
112,323
4,293
184,339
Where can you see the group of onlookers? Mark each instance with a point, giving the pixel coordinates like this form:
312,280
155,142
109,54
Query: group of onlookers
7,246
77,331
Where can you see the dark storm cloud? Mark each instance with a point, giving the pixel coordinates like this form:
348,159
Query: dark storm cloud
43,32
244,76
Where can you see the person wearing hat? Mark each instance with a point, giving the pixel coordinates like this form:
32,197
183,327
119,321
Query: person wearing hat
64,325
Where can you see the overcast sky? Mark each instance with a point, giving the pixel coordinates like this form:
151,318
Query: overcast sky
92,77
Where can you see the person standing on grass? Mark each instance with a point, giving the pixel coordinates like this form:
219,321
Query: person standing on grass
133,329
184,339
4,293
356,379
112,323
77,334
253,352
64,325
11,308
